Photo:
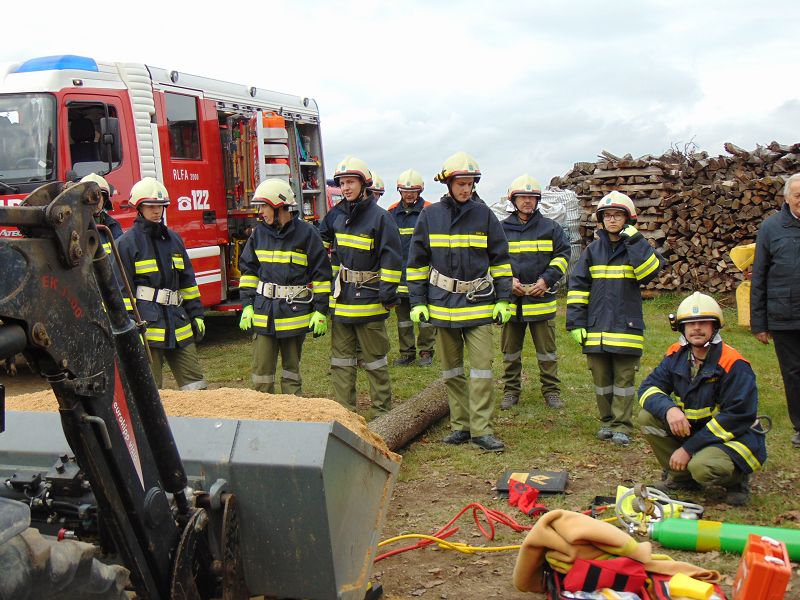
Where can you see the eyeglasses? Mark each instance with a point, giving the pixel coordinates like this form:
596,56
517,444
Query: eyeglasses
614,216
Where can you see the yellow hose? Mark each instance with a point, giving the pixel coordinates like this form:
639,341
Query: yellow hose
444,544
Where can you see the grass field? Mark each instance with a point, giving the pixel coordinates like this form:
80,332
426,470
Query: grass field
436,480
539,437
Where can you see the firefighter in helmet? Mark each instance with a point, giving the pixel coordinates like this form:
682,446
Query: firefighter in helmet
284,287
700,407
604,311
157,265
406,212
101,215
367,266
377,188
459,279
539,257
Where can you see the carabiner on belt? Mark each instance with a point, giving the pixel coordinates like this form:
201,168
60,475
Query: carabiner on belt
291,298
484,284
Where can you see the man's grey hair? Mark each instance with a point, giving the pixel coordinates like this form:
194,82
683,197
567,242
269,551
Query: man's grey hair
793,178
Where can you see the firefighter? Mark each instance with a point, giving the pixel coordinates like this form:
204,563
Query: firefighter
377,188
406,212
604,310
459,278
101,216
700,407
539,257
284,287
367,266
155,260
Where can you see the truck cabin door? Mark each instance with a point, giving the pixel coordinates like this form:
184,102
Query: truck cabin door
188,132
96,138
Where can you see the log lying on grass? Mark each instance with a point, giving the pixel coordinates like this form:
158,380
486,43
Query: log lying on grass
409,420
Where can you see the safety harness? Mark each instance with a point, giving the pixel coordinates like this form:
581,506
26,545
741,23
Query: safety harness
159,296
481,287
359,278
289,293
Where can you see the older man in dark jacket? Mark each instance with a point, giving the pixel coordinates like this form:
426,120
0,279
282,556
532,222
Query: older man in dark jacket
775,293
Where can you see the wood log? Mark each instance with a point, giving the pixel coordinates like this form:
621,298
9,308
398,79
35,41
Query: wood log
407,421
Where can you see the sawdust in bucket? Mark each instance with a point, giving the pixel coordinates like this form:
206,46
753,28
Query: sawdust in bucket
236,403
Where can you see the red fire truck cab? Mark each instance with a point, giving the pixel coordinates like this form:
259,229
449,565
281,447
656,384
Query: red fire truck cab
210,142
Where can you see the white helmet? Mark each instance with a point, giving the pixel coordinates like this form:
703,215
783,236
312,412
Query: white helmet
149,191
276,193
410,181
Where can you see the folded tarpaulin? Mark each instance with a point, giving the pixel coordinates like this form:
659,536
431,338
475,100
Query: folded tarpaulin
560,537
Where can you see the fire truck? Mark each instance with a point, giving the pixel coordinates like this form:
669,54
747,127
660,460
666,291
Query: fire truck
210,142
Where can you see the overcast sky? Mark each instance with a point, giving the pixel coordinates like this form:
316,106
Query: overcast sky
522,86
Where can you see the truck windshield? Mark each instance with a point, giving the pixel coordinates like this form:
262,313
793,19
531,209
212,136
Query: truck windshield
27,137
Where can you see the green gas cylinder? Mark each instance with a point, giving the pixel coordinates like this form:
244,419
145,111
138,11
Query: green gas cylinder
704,536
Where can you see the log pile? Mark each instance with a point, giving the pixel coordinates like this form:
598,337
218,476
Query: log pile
693,208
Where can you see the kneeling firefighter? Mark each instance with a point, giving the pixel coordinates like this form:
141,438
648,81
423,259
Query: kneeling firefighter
700,407
155,260
285,284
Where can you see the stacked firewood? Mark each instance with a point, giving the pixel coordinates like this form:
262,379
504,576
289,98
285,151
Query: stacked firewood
693,208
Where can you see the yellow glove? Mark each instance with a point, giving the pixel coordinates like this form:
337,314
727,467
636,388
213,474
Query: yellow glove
420,314
318,323
501,312
629,231
246,322
199,328
579,335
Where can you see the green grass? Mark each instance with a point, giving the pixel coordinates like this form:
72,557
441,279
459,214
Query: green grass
538,437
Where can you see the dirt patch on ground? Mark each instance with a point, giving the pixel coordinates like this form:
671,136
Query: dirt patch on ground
236,403
426,505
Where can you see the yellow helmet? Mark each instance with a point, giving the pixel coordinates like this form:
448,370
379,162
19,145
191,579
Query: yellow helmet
410,181
275,192
100,181
353,167
460,164
524,185
377,184
149,191
619,201
698,307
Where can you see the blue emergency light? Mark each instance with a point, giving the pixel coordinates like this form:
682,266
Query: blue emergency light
60,62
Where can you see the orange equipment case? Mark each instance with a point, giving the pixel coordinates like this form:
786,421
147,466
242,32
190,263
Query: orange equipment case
764,570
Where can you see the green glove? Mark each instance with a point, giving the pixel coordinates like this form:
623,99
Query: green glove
318,323
199,328
246,322
579,335
629,231
501,312
420,314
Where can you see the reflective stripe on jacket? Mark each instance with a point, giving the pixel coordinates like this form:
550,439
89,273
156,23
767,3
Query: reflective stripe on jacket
604,296
464,242
292,256
720,403
538,248
365,238
406,220
155,256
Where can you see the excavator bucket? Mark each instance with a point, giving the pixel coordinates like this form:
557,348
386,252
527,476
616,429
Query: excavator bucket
312,497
